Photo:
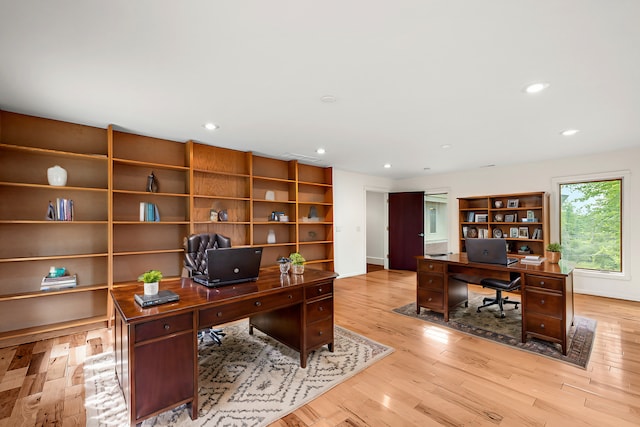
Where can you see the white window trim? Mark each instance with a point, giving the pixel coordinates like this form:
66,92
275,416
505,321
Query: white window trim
625,176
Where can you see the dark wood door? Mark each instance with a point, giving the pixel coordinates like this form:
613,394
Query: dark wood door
406,229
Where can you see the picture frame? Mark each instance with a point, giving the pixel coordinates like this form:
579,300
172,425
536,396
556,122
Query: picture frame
531,215
509,218
513,203
513,232
470,217
482,217
523,232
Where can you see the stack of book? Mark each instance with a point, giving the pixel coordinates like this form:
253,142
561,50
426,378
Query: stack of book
61,282
149,212
532,260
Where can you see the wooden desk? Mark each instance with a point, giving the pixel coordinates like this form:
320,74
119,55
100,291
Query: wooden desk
156,348
546,291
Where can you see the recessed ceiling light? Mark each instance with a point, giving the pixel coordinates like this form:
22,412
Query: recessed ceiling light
211,126
320,151
536,87
569,132
445,146
387,165
328,99
426,169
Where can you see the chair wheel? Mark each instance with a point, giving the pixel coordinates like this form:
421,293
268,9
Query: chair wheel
502,315
466,303
516,306
478,310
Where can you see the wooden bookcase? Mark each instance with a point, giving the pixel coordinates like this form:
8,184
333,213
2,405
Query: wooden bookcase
140,246
501,216
107,245
30,244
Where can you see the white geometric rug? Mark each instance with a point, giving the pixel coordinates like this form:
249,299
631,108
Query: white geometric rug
250,380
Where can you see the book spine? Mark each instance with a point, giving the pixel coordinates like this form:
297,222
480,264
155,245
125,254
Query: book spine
142,211
156,213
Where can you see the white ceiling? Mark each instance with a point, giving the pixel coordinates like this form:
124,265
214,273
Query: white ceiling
408,76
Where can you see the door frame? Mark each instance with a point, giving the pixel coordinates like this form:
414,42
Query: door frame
385,242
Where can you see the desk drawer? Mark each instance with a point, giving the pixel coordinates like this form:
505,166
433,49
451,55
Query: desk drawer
319,333
319,310
319,290
430,299
238,310
431,281
543,325
163,327
544,282
546,303
431,266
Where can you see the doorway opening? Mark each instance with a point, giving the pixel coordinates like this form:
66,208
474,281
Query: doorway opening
436,225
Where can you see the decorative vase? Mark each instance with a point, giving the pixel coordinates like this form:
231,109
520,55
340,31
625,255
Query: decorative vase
297,268
553,257
57,176
151,288
271,236
152,183
498,204
285,265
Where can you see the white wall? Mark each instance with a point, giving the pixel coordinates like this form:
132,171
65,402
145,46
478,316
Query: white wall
376,211
349,202
521,178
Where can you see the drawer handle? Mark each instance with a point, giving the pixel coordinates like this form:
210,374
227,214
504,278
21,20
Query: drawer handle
219,314
430,280
319,290
541,325
258,303
320,308
290,296
542,301
431,266
166,326
542,283
429,299
320,333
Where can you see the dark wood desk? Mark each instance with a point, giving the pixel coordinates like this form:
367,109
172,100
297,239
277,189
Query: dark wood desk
156,348
546,291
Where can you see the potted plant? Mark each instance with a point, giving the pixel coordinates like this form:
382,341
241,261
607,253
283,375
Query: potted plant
151,280
553,252
297,263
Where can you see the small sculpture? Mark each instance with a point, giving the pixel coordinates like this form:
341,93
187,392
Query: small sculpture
152,183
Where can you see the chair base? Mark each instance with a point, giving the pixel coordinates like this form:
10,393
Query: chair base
499,300
216,335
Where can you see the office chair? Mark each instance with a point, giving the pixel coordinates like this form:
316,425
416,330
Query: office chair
195,262
500,286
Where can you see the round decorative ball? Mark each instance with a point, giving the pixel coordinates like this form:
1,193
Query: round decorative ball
498,204
498,217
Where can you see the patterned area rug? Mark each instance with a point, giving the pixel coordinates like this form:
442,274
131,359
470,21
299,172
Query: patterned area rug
488,325
250,380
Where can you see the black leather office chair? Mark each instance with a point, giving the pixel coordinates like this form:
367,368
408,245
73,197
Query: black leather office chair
500,286
195,262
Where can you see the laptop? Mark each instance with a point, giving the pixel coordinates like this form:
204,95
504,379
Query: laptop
226,266
488,251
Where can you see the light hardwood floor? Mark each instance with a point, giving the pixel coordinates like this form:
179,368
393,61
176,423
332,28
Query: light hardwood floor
435,376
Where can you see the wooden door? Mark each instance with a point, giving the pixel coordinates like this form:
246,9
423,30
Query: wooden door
406,229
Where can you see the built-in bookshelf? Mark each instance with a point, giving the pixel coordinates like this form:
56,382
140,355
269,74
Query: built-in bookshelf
31,243
521,219
110,241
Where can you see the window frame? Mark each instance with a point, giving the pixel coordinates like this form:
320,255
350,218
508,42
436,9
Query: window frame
625,178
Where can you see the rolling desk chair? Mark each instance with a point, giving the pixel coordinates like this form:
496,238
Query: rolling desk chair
500,286
195,262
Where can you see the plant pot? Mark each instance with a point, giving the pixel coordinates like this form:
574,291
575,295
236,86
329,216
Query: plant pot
151,288
553,257
297,268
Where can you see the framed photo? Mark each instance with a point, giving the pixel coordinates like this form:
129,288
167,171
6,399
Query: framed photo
531,215
464,231
513,203
509,218
482,217
513,232
523,232
470,217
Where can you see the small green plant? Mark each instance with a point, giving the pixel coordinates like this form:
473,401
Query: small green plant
554,247
297,259
150,276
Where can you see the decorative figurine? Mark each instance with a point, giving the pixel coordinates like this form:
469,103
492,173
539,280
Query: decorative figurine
152,183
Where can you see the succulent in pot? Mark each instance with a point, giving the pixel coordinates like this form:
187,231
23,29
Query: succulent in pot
297,263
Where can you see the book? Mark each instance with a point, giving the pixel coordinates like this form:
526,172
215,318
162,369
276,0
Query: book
532,260
161,297
61,282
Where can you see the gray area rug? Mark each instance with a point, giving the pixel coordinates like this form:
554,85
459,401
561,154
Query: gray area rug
250,380
488,325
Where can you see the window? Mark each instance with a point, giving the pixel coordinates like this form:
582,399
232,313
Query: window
591,223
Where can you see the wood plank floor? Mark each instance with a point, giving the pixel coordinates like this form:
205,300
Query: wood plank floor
435,376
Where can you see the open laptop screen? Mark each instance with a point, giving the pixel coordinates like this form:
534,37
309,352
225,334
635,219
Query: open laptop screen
488,251
226,266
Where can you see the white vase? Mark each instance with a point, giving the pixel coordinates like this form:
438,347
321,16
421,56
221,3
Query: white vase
151,288
57,176
271,237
